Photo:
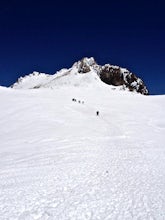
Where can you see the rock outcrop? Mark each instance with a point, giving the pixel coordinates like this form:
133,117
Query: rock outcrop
113,75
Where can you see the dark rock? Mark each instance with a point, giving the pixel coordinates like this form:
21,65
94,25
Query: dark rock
113,75
83,67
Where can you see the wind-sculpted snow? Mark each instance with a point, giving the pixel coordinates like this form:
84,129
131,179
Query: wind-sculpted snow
61,161
65,77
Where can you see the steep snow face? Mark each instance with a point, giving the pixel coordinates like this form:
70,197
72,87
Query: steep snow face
61,161
84,73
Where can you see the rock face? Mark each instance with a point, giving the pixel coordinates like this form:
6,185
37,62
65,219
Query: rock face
86,65
113,75
109,74
83,67
117,76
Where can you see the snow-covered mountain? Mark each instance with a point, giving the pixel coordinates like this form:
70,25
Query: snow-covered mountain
83,73
59,160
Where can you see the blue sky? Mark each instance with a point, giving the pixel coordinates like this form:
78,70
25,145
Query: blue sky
49,35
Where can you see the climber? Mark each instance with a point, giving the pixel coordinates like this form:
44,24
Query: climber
97,113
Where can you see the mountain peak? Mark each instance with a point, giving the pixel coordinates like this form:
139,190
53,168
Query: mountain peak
84,65
89,60
84,72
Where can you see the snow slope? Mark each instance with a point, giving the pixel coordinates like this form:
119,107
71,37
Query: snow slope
65,77
60,161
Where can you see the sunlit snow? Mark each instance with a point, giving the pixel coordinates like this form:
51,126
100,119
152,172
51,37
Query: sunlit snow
61,161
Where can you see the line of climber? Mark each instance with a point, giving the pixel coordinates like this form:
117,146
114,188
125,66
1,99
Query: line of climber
75,100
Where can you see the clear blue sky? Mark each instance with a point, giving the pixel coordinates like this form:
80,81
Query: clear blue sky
49,35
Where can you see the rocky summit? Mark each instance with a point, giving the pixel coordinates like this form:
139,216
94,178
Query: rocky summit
113,75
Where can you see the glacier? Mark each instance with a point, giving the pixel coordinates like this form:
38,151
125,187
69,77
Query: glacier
61,161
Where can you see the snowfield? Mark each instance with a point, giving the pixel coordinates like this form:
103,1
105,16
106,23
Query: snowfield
60,161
